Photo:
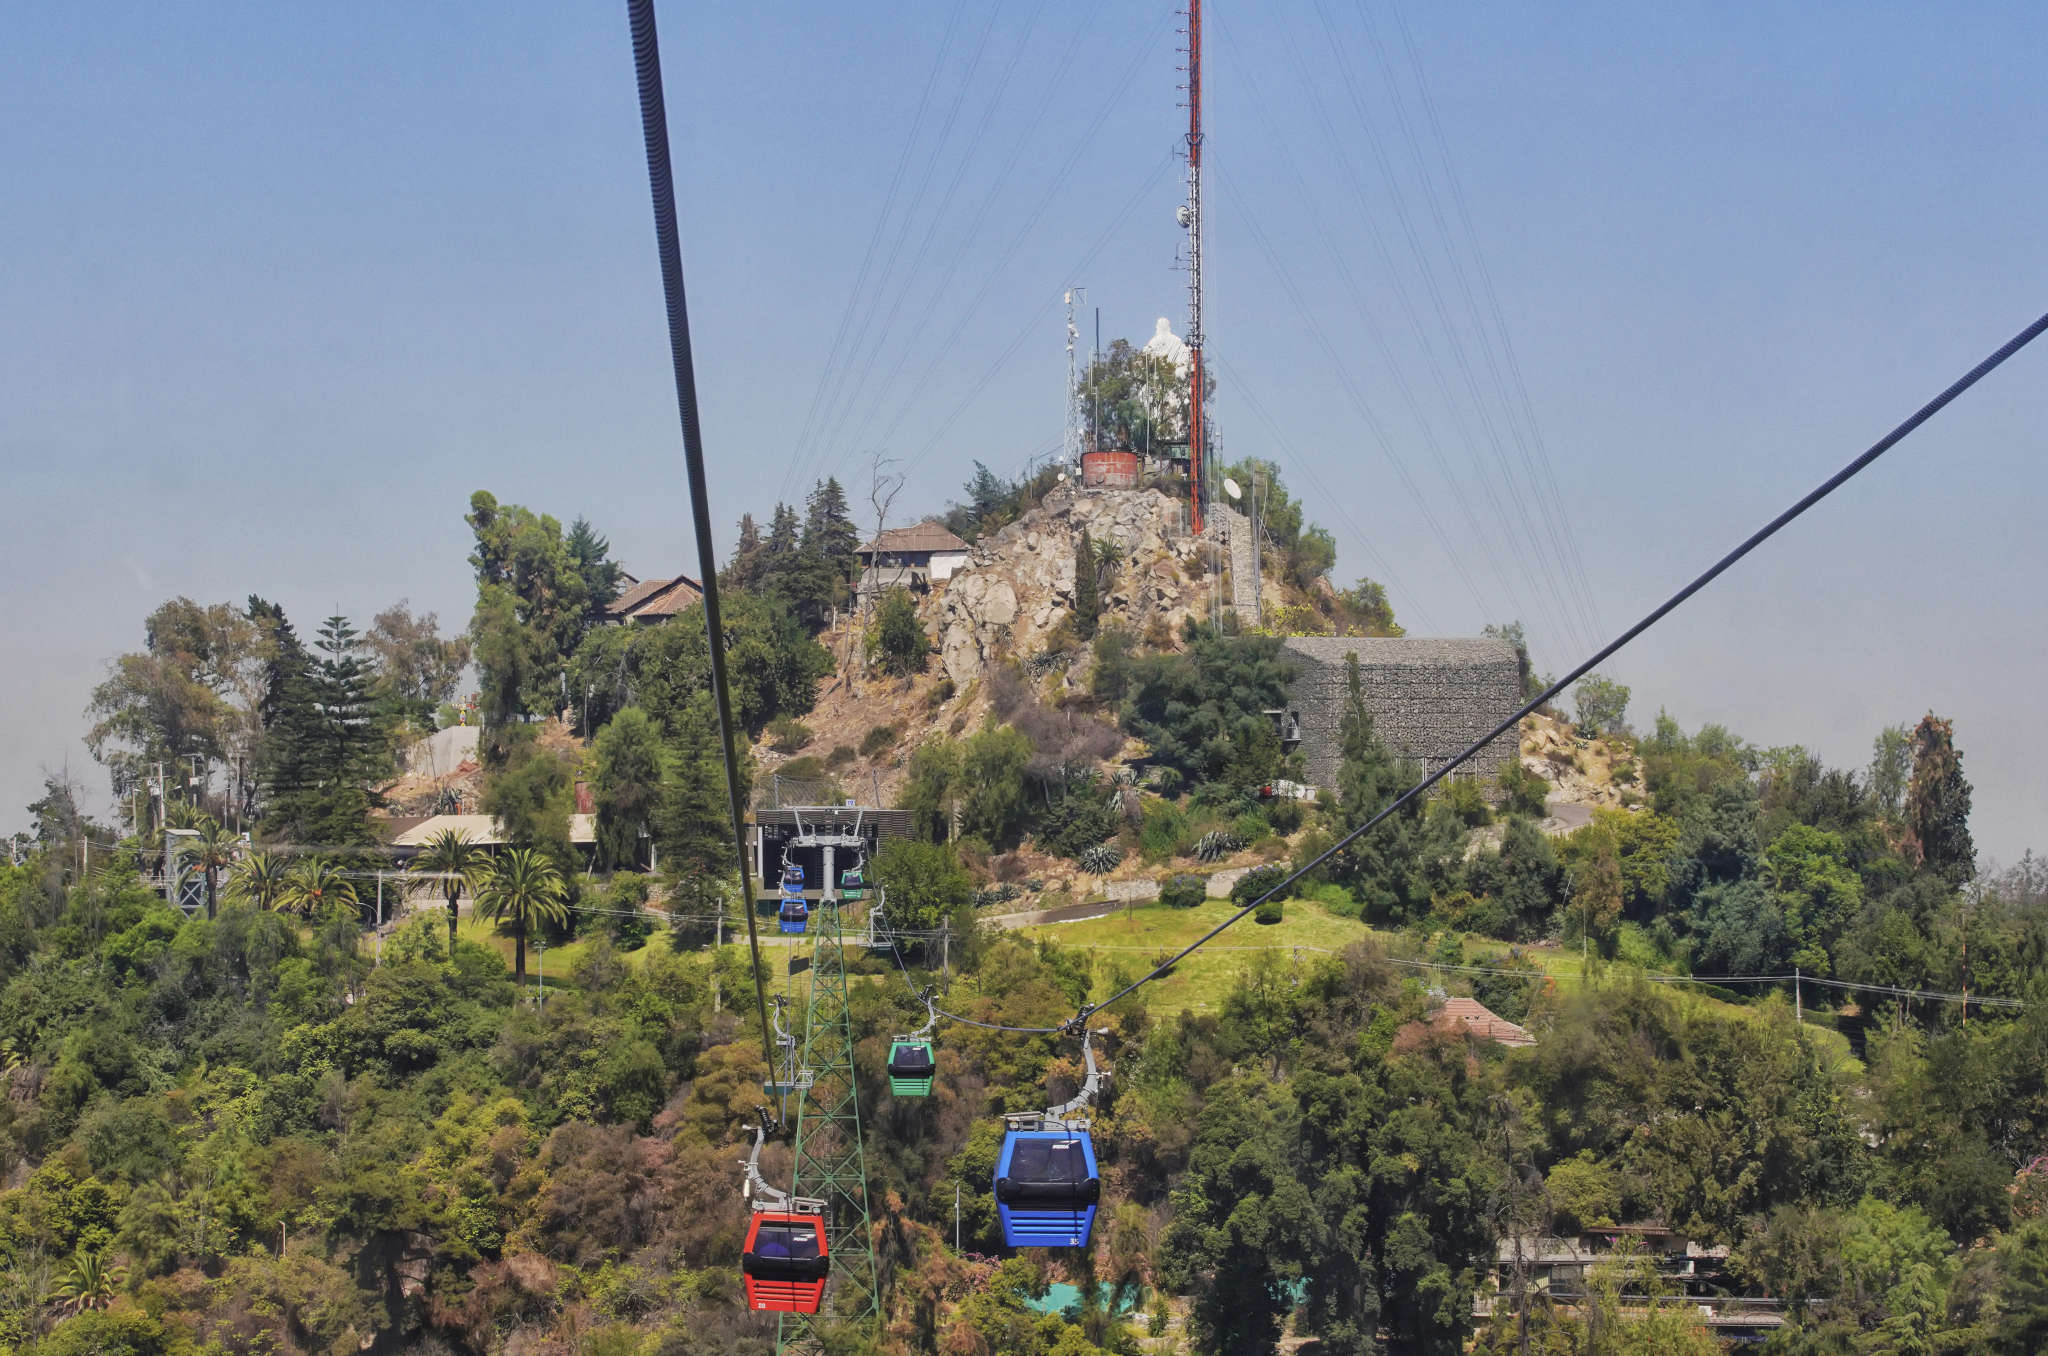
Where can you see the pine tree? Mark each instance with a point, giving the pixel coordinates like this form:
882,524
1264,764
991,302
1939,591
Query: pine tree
1087,596
326,746
1938,804
1381,867
749,558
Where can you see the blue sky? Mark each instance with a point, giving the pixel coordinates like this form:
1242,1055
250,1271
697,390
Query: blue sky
280,287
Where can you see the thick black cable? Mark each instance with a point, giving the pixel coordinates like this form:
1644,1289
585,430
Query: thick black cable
1763,534
668,241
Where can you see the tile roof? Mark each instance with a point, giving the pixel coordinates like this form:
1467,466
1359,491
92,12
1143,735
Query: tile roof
925,536
655,599
1482,1022
483,830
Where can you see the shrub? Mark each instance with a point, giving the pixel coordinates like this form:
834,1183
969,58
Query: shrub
841,755
1077,823
1524,792
1461,797
1256,882
1253,828
941,693
1218,843
878,739
1268,912
802,769
1183,891
896,641
788,735
628,922
1285,814
1162,834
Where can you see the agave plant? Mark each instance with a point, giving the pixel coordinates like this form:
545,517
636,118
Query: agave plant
1101,858
87,1281
1218,843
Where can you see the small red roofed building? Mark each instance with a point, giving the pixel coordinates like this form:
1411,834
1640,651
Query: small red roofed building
653,600
1480,1020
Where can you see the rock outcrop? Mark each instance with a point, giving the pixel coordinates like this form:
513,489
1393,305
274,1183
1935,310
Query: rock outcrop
1019,583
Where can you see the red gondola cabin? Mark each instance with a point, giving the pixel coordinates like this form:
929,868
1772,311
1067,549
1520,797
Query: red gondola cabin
786,1262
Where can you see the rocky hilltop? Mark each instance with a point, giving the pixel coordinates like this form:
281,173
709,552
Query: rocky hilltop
1019,582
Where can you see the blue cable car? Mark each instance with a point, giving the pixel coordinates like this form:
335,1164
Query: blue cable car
795,912
1046,1182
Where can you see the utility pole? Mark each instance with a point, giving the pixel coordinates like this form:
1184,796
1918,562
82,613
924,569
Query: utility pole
1191,218
1799,1000
1095,387
946,953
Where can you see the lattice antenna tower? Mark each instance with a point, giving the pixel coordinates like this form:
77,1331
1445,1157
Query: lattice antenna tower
831,1163
1191,219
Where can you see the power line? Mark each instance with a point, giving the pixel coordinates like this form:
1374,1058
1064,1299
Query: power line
1756,539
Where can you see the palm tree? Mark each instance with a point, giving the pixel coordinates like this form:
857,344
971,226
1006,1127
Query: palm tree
213,854
459,863
87,1282
314,885
523,889
261,879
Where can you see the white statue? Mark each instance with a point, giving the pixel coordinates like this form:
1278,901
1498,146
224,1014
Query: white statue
1166,344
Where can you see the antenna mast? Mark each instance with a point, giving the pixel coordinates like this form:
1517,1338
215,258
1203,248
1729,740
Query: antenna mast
1070,450
1191,217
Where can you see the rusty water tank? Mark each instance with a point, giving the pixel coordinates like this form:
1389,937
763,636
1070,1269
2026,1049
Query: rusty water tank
1114,470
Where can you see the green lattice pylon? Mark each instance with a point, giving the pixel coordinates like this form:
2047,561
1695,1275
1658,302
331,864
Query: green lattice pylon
830,1162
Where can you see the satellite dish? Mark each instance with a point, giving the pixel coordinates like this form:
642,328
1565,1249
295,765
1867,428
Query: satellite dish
1183,215
1230,488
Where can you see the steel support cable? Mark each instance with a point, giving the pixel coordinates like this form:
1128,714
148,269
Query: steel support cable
1762,534
1023,232
1572,597
1558,513
827,459
668,243
853,296
1242,390
793,476
1024,331
1548,596
967,236
1358,400
1578,623
1394,369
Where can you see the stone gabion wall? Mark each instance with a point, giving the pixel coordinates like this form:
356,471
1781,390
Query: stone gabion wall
1429,698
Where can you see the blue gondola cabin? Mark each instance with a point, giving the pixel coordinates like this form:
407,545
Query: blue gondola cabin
794,913
785,1263
1047,1188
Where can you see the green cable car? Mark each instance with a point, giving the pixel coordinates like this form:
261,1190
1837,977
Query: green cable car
853,882
910,1066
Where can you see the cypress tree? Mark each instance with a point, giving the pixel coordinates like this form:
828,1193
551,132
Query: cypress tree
1938,804
1087,596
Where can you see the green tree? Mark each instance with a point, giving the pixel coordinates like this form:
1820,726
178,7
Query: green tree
1381,868
416,667
1603,706
896,641
1087,597
314,886
1202,710
1817,891
921,883
626,785
772,662
88,1280
992,767
1891,770
934,790
261,880
523,891
212,854
1938,804
458,864
327,745
191,691
1364,610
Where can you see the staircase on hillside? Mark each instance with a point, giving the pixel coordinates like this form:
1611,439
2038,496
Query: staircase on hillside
1236,532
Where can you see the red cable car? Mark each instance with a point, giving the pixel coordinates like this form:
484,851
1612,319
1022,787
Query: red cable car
787,1257
786,1262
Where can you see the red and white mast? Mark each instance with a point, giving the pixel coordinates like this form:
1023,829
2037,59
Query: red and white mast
1191,217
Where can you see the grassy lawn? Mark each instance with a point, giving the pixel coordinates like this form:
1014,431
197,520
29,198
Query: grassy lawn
1150,931
1139,939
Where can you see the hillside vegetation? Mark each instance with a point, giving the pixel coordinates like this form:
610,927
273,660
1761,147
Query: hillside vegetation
262,1128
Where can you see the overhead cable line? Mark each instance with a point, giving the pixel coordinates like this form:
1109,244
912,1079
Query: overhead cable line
668,244
1557,516
1242,390
853,297
1549,599
1763,534
1578,622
